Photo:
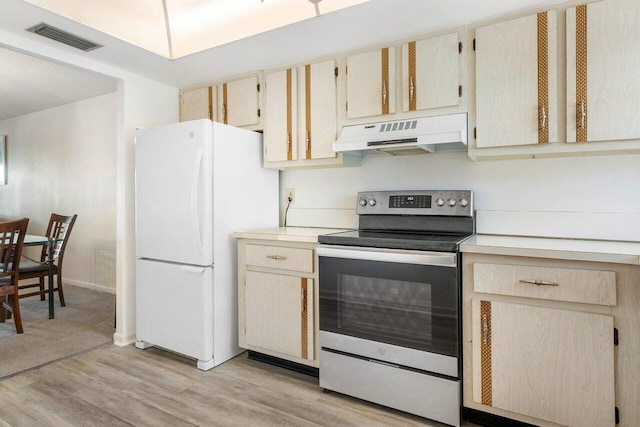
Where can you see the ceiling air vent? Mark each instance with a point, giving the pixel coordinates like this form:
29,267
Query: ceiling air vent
61,36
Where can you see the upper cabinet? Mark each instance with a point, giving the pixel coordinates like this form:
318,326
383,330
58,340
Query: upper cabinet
371,82
197,104
239,102
301,116
603,93
431,73
516,82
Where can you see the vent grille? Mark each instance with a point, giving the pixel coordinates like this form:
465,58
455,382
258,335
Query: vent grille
61,36
393,126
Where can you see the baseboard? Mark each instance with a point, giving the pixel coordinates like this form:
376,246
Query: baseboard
88,285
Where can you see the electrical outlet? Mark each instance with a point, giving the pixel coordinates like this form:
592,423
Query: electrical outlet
291,195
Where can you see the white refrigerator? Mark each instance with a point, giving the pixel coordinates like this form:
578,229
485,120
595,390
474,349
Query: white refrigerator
196,183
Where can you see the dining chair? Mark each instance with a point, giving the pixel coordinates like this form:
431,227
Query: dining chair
59,228
11,240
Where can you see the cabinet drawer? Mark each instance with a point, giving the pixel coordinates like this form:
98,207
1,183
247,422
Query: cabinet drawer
552,283
280,257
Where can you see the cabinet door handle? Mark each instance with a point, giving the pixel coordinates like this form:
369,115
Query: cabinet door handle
485,329
538,282
543,118
308,141
412,88
581,115
384,93
303,300
277,257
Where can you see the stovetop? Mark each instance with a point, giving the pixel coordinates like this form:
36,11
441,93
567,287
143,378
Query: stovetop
396,240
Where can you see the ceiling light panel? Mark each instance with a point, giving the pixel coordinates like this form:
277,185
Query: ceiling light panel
193,25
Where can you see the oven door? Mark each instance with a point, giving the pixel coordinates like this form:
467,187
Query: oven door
407,299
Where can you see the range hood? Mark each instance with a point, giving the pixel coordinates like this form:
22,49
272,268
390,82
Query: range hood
412,136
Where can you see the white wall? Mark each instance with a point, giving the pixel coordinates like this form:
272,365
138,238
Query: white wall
577,185
63,160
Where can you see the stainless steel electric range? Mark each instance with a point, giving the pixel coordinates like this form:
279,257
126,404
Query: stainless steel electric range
390,301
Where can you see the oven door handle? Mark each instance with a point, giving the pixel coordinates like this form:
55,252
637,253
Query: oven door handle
439,259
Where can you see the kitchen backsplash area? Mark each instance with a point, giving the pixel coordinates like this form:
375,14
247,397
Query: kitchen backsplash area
580,197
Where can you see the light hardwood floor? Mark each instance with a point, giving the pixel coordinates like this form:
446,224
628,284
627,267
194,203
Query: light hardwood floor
127,386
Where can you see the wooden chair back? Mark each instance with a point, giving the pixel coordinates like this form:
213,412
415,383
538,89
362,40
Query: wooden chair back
11,241
59,228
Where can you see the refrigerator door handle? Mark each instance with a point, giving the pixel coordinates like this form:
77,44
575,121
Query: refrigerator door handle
195,186
189,269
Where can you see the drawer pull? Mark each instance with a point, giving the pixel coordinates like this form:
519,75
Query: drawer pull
539,282
485,329
276,257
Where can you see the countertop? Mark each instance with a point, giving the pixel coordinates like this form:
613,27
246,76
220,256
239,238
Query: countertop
541,247
287,234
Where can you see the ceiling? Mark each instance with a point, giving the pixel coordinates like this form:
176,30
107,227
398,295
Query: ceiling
370,23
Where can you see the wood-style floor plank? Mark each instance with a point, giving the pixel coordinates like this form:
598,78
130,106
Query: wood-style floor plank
126,386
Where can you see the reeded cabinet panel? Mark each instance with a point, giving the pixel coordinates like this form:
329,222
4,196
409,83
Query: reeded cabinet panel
431,73
197,104
281,124
516,82
552,364
371,83
603,93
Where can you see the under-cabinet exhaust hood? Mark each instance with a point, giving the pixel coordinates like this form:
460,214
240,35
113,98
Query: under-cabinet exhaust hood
412,136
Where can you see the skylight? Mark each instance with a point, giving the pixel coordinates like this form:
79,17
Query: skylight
176,28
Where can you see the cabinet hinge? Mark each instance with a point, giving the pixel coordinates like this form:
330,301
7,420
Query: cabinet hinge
346,106
475,134
474,45
258,88
336,71
258,112
617,415
460,91
346,69
615,336
459,47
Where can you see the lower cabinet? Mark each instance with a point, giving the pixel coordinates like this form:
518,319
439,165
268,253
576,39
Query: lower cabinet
551,342
277,299
278,315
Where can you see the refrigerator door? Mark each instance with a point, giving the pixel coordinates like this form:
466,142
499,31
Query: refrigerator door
174,308
174,193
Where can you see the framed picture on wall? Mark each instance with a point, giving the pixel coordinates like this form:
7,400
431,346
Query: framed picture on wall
3,160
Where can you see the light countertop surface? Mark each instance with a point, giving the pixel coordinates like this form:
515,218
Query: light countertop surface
287,234
541,247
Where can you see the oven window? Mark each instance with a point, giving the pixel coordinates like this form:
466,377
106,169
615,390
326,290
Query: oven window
393,310
408,305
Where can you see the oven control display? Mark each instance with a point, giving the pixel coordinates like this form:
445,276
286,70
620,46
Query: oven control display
404,202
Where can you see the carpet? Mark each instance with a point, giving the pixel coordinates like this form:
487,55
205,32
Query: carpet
84,323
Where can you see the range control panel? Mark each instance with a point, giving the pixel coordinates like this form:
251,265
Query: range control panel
416,202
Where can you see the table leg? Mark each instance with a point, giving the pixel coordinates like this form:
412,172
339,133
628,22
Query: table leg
50,262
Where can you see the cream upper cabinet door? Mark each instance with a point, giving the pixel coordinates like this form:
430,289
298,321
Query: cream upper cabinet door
371,83
555,365
603,59
281,115
516,81
239,102
431,73
318,110
196,104
279,314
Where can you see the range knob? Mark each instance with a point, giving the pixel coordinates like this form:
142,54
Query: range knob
452,202
464,202
372,202
363,202
440,201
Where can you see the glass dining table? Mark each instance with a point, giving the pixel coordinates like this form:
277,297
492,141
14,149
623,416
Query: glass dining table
49,242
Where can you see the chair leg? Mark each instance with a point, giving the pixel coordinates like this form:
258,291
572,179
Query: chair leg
60,293
41,280
17,318
3,311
